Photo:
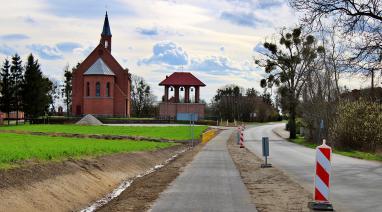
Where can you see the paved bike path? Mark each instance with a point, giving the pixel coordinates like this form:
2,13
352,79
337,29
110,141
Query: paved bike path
210,182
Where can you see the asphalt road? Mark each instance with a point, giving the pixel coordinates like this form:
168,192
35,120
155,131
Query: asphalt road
356,185
209,183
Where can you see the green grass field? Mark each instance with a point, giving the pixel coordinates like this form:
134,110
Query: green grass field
350,153
15,147
172,132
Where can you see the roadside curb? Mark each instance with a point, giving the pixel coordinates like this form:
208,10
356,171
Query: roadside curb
279,134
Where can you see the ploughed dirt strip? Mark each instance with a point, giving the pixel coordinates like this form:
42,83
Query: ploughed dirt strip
95,136
144,191
72,184
271,190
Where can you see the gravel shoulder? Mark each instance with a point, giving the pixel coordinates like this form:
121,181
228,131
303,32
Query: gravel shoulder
271,189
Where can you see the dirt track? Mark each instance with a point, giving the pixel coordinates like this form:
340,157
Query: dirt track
144,191
71,185
270,189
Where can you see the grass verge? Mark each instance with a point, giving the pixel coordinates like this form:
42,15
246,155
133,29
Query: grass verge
168,132
16,148
350,153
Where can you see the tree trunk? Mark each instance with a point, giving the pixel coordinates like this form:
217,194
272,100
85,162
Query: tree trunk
372,86
17,116
292,121
67,108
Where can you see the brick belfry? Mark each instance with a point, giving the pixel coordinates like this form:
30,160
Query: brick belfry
174,107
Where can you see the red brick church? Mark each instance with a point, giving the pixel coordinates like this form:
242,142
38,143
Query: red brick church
101,86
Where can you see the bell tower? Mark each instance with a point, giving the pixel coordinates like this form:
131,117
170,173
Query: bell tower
106,34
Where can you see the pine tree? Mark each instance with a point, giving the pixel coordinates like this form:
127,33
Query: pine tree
16,81
6,95
35,90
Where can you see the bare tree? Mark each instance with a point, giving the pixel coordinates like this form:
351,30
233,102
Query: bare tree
66,90
360,23
333,60
141,97
322,90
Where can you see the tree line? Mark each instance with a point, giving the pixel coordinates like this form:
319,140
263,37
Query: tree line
233,102
24,88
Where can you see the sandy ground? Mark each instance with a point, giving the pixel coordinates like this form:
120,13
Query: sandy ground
144,191
71,185
271,189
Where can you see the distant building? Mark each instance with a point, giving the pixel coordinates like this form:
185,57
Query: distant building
365,93
60,111
185,98
13,115
101,86
1,118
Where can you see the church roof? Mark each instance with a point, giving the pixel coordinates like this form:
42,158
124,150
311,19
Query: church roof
106,27
99,67
182,78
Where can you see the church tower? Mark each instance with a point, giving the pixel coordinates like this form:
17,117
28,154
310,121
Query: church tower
106,34
101,86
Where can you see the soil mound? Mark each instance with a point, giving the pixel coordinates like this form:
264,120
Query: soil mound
72,184
89,120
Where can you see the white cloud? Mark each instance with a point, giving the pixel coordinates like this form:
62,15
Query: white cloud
168,53
213,64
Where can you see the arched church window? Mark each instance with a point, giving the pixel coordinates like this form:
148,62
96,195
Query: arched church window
87,89
106,44
108,89
98,89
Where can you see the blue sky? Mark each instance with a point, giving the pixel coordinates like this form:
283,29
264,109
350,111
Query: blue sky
213,39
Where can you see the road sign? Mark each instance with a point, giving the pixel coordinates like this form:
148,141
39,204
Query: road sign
187,116
265,145
265,142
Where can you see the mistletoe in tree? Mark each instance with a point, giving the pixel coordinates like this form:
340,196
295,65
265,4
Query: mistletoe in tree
290,63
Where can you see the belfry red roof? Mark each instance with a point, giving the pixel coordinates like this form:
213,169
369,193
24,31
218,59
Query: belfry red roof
182,78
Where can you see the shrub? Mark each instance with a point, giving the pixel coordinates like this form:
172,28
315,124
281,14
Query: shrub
299,123
357,125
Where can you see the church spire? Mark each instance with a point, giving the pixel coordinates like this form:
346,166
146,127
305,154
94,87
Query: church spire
106,34
106,27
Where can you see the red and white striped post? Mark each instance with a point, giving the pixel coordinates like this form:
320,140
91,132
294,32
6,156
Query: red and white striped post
242,137
322,178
